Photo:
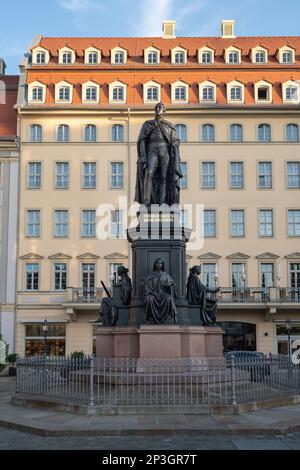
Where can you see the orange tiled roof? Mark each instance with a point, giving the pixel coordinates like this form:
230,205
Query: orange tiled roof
8,116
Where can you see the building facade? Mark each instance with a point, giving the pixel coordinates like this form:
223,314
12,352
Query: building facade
235,102
9,159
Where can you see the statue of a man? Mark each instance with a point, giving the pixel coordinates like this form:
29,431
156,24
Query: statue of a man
109,305
158,166
160,291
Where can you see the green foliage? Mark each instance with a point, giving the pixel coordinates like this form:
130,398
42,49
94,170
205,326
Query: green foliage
2,367
11,358
77,355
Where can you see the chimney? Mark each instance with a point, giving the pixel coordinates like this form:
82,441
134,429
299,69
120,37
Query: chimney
168,28
227,29
2,67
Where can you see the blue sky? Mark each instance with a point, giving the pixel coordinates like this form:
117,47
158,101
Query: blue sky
22,20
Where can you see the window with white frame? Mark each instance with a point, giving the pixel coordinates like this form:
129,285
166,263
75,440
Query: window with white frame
264,133
117,175
233,57
237,222
67,58
260,57
210,229
60,276
236,93
208,93
62,175
180,93
91,93
63,133
88,271
36,133
61,223
34,175
89,175
267,274
88,223
236,175
208,133
118,93
183,218
263,92
40,58
64,93
294,222
207,57
152,93
90,133
287,57
32,272
236,133
266,223
117,133
265,175
181,131
208,274
184,179
93,58
179,57
293,175
119,57
292,93
238,275
116,224
37,94
33,223
208,172
292,133
152,57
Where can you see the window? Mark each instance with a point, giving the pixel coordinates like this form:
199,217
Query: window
208,93
37,94
63,133
292,133
291,93
40,58
294,270
118,93
237,223
60,276
64,93
117,175
265,175
88,223
267,274
152,93
183,218
238,275
184,179
293,175
35,342
91,93
209,223
208,175
88,271
294,223
152,58
263,94
264,133
209,274
208,133
206,57
117,133
36,133
260,57
180,93
236,133
181,130
32,276
61,175
89,175
33,225
233,57
67,58
93,58
179,58
61,223
116,224
90,133
287,57
236,175
119,58
34,175
265,223
236,93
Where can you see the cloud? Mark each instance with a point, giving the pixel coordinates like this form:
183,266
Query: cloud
82,10
154,12
76,5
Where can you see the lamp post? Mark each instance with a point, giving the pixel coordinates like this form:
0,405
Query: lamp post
288,325
45,330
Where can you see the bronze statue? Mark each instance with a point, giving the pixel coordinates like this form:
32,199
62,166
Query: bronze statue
121,296
160,291
158,166
197,295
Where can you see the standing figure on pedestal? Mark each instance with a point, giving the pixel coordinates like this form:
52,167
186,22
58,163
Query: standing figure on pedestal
197,295
158,166
160,291
121,296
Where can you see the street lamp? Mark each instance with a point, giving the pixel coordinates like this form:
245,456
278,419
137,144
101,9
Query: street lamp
45,330
288,324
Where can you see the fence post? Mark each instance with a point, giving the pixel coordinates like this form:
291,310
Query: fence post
17,377
91,366
233,380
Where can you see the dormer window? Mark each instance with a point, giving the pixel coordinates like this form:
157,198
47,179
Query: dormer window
117,92
66,56
40,56
36,92
179,92
290,92
118,56
63,92
260,57
263,92
233,58
235,92
92,56
152,58
178,56
287,57
206,55
91,93
152,92
232,55
207,92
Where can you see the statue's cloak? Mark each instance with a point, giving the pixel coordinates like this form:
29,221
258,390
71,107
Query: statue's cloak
174,171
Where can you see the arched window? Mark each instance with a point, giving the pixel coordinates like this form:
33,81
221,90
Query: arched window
264,133
181,130
208,133
236,133
63,133
292,133
41,58
117,133
37,93
90,133
36,133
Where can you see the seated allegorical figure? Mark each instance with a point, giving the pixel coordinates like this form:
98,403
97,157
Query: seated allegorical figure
197,295
121,296
160,291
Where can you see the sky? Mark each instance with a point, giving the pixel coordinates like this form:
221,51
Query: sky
22,20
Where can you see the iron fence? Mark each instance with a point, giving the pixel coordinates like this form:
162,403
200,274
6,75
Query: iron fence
124,382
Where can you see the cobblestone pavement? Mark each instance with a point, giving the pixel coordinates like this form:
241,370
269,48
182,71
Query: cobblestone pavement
15,440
